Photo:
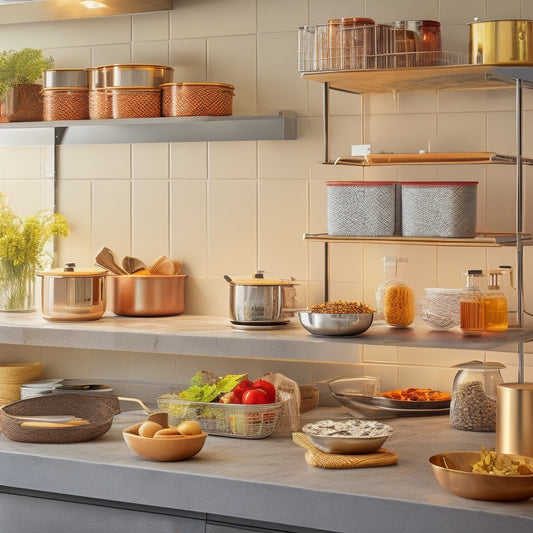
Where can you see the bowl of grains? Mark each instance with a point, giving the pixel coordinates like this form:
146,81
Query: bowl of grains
347,436
337,318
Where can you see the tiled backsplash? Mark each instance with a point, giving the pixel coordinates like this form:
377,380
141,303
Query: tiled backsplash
233,207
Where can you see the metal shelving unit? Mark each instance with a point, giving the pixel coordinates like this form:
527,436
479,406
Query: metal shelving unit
439,78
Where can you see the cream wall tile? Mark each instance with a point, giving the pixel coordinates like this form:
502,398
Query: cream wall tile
20,162
110,54
388,375
188,225
501,136
346,263
110,364
424,378
279,86
206,296
282,216
527,9
386,11
455,39
74,202
460,132
60,363
151,52
188,57
24,196
151,26
383,132
232,241
417,102
152,367
211,17
112,217
66,33
110,161
188,160
500,10
223,67
501,211
19,354
283,159
79,57
294,14
469,101
232,160
461,12
150,231
150,160
320,12
453,261
352,291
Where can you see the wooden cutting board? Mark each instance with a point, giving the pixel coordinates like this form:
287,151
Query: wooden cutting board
316,457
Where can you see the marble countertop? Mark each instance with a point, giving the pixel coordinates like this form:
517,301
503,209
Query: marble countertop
216,336
269,480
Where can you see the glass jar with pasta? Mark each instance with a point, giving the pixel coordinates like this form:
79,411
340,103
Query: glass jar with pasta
396,298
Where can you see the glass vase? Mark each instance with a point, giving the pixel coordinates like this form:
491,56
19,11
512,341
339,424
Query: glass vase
17,286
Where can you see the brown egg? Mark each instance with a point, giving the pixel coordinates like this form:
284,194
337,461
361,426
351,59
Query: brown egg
167,432
149,429
189,427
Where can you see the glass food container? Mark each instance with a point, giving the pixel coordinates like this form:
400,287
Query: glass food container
473,405
472,309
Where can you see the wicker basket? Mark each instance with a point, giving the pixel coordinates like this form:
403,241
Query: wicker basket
97,410
135,102
224,419
309,397
197,99
66,104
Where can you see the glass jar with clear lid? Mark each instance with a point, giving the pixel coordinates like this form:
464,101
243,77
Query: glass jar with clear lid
473,405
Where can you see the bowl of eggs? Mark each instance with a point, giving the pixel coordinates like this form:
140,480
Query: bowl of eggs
154,439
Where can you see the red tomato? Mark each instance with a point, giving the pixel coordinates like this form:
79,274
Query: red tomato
254,396
267,387
241,387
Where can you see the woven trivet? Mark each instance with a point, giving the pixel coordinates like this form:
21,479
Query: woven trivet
316,457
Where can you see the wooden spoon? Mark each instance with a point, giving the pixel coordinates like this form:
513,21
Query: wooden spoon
106,259
132,264
162,265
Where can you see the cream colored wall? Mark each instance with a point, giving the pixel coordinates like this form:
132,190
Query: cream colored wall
234,207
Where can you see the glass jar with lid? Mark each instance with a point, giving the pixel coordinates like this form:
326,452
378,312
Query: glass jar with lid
473,405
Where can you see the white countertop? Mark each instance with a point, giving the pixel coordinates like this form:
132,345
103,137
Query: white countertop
269,480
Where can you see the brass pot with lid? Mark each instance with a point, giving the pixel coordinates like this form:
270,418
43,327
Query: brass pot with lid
73,294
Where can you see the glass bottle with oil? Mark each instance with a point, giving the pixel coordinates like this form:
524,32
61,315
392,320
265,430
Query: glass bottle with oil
472,305
495,304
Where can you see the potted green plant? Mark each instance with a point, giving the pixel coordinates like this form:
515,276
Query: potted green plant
20,96
22,252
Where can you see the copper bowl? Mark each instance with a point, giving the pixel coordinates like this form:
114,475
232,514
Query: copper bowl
147,295
453,470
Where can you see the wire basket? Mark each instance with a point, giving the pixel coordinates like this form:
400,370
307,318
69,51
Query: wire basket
223,419
135,102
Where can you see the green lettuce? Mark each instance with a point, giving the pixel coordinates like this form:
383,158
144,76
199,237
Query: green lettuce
200,392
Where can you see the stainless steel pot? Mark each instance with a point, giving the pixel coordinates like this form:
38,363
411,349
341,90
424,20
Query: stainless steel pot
501,42
69,294
259,300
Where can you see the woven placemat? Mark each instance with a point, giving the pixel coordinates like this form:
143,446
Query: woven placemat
316,457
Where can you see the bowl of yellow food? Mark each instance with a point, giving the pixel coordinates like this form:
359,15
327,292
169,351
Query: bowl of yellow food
486,476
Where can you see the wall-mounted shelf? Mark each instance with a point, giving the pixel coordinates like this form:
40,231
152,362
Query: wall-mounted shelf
148,130
445,78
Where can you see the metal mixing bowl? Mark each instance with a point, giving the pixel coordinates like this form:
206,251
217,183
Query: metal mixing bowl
335,324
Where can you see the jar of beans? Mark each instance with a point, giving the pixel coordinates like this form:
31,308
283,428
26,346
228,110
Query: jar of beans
473,405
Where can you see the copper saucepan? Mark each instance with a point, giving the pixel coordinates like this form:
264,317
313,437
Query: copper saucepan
501,42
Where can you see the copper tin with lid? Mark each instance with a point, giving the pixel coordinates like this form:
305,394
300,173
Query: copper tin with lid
72,294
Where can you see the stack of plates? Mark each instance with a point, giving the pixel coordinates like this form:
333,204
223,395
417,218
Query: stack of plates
54,386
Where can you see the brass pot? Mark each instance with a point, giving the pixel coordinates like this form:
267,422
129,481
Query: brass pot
501,42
